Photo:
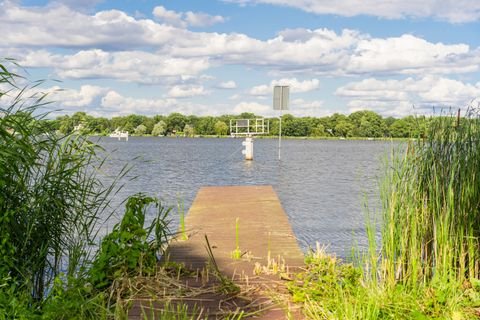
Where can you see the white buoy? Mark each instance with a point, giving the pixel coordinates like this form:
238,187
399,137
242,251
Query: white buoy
248,152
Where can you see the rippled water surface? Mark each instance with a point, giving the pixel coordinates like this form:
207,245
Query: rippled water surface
322,184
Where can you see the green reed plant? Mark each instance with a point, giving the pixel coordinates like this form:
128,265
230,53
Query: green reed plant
51,201
432,203
427,264
237,253
181,213
131,248
49,195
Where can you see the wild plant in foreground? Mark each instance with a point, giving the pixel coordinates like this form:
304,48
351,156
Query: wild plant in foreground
431,195
428,264
49,195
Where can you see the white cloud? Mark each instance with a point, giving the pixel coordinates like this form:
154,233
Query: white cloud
87,96
101,101
227,85
261,90
186,91
318,52
409,55
134,66
397,97
296,86
255,107
61,26
184,19
234,97
314,108
169,16
200,19
79,4
455,11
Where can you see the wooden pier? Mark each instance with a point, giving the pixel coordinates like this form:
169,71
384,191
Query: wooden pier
262,224
266,240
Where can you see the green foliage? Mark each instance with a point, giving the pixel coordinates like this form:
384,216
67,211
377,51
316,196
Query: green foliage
325,278
74,300
181,213
50,200
189,130
429,260
140,130
431,199
237,253
330,289
363,123
131,248
221,128
159,129
206,125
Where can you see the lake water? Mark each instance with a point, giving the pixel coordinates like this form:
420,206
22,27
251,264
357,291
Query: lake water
322,184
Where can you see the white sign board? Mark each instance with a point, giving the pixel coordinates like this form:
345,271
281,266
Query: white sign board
281,97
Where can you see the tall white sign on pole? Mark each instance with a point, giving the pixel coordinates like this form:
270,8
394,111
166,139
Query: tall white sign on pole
281,100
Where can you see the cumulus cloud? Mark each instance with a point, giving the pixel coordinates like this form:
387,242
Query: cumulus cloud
397,97
186,91
296,86
314,108
184,19
83,5
169,16
112,29
255,107
134,66
319,51
227,85
86,96
101,101
408,54
200,19
455,11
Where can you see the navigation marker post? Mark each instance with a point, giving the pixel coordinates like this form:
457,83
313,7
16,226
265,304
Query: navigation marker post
248,128
281,99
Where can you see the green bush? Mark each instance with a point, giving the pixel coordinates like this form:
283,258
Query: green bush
130,248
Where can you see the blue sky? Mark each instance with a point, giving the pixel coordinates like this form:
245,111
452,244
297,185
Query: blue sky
224,57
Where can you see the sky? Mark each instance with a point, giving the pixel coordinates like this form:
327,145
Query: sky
111,58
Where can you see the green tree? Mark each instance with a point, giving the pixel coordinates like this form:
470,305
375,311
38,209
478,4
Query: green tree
189,130
344,129
367,124
149,123
140,130
159,129
98,125
206,126
221,128
175,122
318,131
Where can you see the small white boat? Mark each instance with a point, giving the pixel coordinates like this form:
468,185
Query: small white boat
119,134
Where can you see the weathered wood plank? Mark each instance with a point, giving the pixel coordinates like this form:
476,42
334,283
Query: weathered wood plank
263,228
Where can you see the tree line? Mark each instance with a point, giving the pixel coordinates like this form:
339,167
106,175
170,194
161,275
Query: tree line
364,123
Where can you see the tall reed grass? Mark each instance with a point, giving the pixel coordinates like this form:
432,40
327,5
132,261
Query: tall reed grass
426,265
50,197
431,205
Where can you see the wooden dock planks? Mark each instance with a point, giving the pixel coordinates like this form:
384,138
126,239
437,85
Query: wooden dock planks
264,231
263,228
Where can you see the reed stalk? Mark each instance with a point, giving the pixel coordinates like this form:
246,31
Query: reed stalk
432,203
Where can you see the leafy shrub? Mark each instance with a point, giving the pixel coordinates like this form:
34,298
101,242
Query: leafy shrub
130,248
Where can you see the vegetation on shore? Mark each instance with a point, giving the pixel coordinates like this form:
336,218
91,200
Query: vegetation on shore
428,262
366,124
52,204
